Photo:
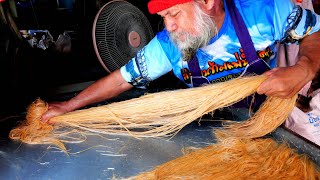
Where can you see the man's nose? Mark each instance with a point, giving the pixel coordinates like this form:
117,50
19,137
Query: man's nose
170,24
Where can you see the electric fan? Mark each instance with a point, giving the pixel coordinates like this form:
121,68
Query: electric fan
120,30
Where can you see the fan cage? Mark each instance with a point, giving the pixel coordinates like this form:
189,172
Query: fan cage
112,26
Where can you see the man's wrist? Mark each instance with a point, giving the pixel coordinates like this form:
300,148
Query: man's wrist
69,106
309,68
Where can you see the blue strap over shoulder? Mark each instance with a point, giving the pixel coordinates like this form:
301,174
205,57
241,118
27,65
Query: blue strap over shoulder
256,65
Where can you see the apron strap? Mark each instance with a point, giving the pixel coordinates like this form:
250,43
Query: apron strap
242,32
256,65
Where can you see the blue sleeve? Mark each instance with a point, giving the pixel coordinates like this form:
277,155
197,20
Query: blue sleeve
292,23
149,64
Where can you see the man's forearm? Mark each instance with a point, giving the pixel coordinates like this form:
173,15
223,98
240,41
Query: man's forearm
103,89
309,55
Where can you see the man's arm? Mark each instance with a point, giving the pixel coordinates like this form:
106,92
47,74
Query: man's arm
285,82
103,89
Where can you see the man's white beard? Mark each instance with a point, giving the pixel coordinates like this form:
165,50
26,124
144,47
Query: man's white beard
205,29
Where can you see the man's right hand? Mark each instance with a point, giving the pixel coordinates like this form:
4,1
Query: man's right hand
103,89
54,109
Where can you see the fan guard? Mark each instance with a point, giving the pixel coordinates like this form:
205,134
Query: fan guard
120,30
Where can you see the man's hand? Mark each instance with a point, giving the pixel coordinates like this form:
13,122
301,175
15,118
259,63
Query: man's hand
284,82
54,109
287,81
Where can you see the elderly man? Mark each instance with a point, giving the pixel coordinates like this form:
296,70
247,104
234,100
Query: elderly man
203,43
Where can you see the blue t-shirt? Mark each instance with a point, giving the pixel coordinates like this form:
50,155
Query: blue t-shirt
223,58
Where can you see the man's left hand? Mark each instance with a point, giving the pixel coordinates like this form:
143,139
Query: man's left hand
284,82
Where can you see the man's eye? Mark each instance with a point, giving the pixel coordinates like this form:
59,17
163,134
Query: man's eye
175,14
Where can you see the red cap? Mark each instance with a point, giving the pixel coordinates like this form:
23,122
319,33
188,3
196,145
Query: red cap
159,5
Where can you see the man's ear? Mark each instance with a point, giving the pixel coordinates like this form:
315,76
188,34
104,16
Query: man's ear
208,4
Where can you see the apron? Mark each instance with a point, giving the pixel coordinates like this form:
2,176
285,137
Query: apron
255,64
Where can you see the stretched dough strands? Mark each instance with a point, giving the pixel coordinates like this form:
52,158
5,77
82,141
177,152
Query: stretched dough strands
271,114
33,131
153,115
235,158
160,114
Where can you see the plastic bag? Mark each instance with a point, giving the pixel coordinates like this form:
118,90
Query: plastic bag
307,124
63,43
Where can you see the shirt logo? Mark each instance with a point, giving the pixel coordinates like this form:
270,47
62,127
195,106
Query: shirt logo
214,68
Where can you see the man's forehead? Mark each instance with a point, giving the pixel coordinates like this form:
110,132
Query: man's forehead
169,10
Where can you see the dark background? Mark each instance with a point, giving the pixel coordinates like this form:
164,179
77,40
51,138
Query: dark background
27,73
